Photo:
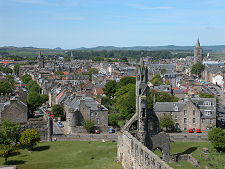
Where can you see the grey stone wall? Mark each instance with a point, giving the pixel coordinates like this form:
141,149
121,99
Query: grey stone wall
132,154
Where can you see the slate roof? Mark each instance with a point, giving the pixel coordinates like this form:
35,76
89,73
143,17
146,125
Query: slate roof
168,106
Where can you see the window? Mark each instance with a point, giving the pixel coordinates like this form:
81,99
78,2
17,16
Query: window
207,103
96,113
185,112
143,112
97,121
91,114
193,120
139,91
208,113
185,120
193,112
175,117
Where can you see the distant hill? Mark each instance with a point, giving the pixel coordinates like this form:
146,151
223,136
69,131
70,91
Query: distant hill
218,48
33,51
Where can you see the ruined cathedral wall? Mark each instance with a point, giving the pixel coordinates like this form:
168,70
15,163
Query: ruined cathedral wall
132,154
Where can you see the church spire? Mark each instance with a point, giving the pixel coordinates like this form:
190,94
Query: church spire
198,43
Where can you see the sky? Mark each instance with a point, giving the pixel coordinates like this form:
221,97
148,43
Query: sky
71,24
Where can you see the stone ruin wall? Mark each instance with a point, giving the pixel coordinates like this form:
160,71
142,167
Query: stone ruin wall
134,155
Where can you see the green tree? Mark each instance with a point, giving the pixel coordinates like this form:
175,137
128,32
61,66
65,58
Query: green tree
206,95
157,80
29,138
125,81
33,100
124,59
57,110
91,72
88,125
113,119
167,82
11,80
16,69
125,101
6,151
162,71
217,137
166,122
110,88
5,87
9,132
44,98
58,73
26,78
197,69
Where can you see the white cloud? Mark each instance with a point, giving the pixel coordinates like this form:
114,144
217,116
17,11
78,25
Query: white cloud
142,7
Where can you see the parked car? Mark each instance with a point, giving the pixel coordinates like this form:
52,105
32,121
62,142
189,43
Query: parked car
111,130
97,131
198,131
178,130
59,122
191,130
60,125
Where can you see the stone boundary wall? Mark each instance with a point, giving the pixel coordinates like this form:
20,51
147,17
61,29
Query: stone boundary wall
85,137
188,137
114,137
132,154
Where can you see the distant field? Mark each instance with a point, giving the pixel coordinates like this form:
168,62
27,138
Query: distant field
218,55
68,155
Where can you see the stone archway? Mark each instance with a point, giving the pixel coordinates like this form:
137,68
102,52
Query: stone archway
162,142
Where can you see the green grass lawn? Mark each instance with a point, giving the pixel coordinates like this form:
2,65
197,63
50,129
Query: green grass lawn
68,155
215,158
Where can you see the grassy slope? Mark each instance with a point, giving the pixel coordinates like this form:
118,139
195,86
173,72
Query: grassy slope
69,155
215,158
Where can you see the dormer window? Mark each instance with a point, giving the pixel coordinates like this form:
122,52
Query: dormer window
207,103
208,112
176,108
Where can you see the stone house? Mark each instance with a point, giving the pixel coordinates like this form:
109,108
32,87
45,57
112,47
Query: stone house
196,113
80,108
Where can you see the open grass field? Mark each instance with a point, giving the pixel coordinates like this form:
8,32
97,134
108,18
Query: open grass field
68,155
216,160
98,155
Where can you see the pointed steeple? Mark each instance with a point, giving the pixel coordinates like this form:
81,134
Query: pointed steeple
198,43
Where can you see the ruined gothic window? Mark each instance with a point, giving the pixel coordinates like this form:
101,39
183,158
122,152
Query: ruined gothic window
139,91
138,77
143,112
185,120
193,112
142,77
185,112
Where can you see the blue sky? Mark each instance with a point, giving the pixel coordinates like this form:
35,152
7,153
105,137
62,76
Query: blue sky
75,23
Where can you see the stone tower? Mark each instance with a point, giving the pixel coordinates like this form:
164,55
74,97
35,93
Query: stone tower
41,60
198,53
141,101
